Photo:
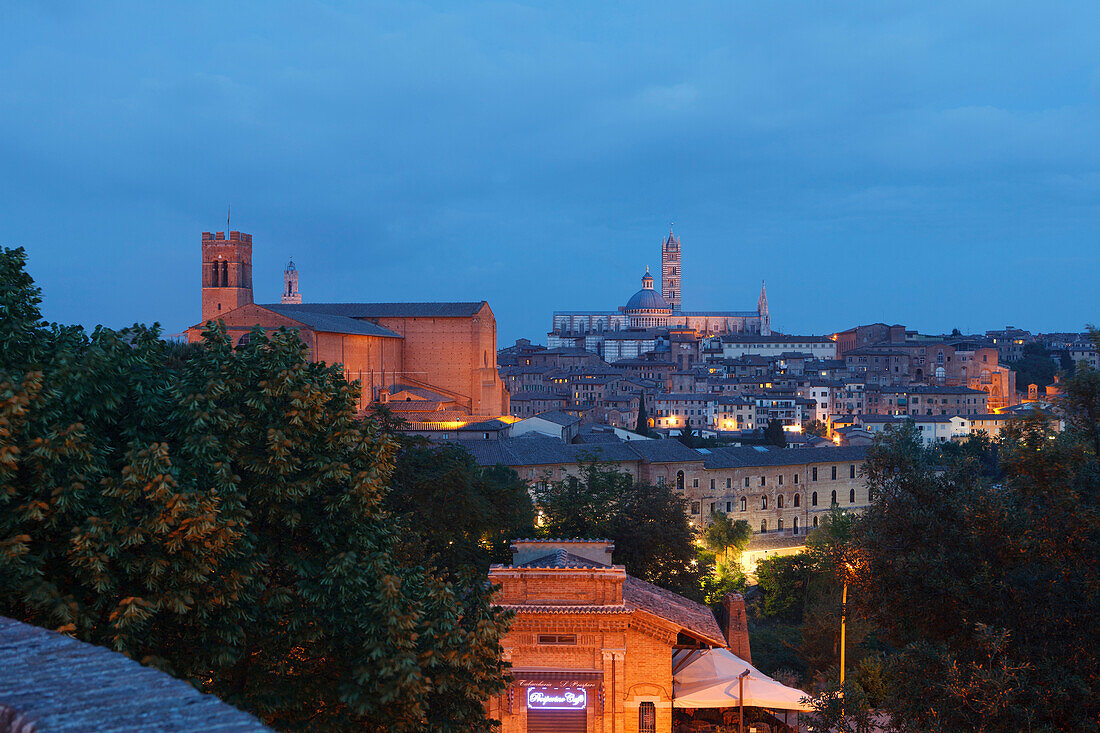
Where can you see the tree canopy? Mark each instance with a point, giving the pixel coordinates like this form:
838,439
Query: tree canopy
653,536
984,584
221,513
774,435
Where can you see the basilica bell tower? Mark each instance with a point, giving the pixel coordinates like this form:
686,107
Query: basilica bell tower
226,273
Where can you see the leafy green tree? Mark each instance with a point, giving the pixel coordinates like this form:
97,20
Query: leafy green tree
653,536
725,579
724,533
219,513
983,588
641,426
459,515
687,436
774,435
1034,367
784,581
816,428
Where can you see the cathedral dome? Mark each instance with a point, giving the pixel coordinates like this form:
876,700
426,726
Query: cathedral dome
647,308
647,299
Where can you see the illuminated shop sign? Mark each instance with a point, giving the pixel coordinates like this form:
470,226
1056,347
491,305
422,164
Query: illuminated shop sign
556,698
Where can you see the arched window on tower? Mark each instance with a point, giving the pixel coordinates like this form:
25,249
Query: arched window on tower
225,274
215,275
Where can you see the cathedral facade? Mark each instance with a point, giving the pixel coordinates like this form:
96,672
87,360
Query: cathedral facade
648,315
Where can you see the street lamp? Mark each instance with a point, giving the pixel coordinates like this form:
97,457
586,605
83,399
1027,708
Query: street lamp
843,620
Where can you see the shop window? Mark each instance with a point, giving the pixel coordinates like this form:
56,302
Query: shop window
647,718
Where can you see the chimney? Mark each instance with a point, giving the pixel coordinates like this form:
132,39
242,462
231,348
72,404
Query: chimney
736,626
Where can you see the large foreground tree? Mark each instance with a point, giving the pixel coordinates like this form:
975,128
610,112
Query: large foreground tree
219,513
986,583
653,536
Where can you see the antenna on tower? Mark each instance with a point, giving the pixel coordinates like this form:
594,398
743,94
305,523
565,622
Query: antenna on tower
228,211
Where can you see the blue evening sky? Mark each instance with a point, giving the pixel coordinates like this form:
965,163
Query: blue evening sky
935,164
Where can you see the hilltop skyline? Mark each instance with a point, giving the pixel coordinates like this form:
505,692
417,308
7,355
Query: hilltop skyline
929,164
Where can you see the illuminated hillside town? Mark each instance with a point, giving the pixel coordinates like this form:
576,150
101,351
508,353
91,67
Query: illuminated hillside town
700,367
638,388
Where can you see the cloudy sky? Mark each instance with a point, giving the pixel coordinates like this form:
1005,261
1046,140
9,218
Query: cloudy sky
930,163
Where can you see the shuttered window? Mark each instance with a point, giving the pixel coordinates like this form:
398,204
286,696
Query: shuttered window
558,721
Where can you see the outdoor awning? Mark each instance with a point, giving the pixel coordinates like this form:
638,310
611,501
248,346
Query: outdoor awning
710,680
557,677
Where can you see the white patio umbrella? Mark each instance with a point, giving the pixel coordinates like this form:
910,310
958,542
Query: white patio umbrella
715,678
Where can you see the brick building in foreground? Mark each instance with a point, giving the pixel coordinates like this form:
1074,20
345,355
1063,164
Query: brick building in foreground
591,647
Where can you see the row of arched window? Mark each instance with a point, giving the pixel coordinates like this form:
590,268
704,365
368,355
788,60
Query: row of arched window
796,501
779,525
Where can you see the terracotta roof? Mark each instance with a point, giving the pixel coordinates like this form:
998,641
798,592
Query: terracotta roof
567,609
331,323
390,310
696,618
416,405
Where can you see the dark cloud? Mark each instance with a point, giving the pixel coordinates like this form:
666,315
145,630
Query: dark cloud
929,163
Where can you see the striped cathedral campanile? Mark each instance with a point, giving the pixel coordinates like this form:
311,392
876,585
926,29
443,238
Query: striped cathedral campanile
670,271
226,273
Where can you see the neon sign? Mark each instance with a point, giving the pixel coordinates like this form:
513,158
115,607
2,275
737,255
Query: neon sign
556,698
